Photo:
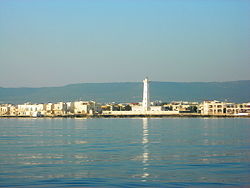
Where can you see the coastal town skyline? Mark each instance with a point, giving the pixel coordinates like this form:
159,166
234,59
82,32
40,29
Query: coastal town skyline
55,43
145,107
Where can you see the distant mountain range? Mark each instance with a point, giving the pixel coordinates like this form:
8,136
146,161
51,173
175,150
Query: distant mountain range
234,91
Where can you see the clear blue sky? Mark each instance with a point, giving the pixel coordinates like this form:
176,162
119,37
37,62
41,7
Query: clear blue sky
58,42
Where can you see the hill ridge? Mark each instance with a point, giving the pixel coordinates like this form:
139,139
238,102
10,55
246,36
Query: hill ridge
235,91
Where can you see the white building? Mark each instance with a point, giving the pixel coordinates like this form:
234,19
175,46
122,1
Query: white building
49,109
136,107
238,109
29,109
156,108
84,107
60,108
220,108
81,107
212,107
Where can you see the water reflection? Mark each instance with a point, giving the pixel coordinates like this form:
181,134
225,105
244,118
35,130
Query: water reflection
154,153
145,155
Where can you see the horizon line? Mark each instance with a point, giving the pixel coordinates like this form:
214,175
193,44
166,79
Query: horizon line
65,85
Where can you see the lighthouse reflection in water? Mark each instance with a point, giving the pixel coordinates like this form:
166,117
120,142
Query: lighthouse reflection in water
164,152
145,144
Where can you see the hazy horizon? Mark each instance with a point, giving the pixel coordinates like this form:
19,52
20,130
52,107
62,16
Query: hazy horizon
125,82
56,43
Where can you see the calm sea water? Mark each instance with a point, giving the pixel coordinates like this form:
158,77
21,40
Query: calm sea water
124,152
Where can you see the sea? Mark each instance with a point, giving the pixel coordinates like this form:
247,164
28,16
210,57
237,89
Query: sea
143,152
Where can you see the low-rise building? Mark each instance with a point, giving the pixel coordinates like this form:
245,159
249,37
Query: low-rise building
4,110
29,109
156,108
8,110
136,107
49,108
81,107
212,107
182,107
224,108
85,107
13,110
59,109
245,108
238,109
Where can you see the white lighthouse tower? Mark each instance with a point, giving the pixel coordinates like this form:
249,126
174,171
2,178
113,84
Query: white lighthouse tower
146,100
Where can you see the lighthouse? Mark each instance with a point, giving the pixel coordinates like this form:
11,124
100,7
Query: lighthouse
146,100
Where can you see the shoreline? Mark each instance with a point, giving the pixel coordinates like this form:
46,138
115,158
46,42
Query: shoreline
126,116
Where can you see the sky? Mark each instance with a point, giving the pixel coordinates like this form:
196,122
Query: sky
59,42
